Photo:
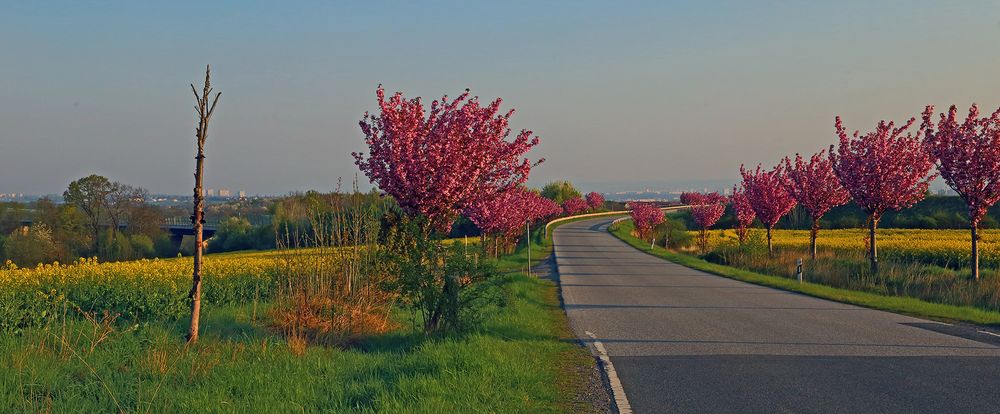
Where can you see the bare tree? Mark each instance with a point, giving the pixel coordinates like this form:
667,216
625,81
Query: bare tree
204,109
119,203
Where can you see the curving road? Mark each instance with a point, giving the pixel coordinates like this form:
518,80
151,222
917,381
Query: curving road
681,340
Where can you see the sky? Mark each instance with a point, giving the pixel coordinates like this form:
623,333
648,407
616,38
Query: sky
620,93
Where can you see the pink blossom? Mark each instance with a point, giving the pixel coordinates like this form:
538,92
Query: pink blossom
574,206
595,201
768,197
744,212
437,163
883,169
689,198
706,211
816,188
645,216
968,155
506,215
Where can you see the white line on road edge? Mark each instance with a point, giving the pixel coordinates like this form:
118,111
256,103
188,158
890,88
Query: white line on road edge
616,386
989,333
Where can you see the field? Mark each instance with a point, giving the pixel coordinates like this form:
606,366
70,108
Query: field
57,361
946,248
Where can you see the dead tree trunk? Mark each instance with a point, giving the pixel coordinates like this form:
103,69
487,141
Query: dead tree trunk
205,111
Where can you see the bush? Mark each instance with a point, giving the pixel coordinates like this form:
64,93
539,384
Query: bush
29,246
164,247
142,246
433,279
115,246
234,233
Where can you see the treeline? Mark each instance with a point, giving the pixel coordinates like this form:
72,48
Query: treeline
112,221
98,218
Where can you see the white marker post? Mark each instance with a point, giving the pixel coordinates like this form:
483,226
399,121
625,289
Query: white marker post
798,269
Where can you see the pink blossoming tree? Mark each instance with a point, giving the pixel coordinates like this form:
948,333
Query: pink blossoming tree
436,163
882,170
768,197
689,198
645,216
595,201
706,211
574,206
968,157
504,217
816,188
744,212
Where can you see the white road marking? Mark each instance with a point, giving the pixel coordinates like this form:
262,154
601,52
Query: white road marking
616,385
988,333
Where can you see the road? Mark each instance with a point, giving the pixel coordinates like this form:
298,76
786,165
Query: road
681,340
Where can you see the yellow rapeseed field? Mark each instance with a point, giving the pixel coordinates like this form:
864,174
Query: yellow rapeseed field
942,247
140,289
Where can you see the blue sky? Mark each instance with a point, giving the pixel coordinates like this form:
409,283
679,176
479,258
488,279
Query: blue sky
625,92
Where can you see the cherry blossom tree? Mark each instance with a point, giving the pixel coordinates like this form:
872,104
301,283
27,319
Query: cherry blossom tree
595,200
574,206
882,170
816,188
504,217
768,197
645,216
689,198
968,158
439,162
744,212
706,211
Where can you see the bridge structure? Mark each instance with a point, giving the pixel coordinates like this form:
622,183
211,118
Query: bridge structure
179,226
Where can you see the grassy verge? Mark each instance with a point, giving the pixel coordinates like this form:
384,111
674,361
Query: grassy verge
519,361
905,305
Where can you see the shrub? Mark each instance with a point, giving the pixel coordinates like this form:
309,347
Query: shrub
142,246
28,246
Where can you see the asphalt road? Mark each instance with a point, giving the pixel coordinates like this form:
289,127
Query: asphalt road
682,340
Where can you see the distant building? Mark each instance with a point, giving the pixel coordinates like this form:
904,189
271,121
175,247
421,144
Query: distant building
225,193
243,194
210,192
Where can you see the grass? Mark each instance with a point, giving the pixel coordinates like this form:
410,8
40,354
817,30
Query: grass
519,361
898,304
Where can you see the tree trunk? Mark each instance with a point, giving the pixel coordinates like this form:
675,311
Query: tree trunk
975,252
205,111
813,232
703,240
770,248
872,249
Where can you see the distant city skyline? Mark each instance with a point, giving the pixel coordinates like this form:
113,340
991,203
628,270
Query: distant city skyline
617,93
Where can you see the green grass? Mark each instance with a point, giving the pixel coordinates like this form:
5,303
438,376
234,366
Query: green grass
519,361
905,305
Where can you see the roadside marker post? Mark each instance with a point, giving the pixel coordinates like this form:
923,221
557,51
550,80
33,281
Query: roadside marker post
798,269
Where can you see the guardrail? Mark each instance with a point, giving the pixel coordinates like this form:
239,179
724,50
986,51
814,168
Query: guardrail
606,213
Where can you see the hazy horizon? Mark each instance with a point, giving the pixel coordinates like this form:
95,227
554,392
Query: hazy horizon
659,91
